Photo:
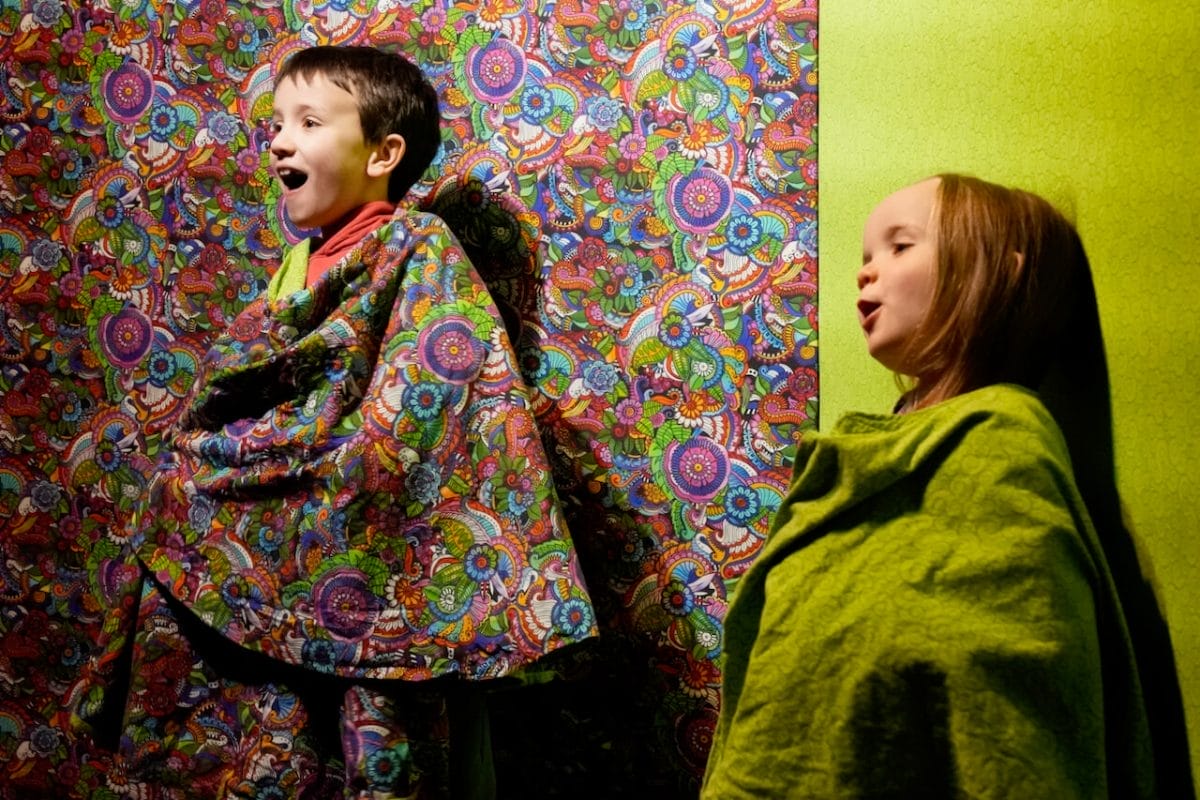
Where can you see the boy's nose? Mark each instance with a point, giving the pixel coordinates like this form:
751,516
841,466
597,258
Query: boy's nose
280,144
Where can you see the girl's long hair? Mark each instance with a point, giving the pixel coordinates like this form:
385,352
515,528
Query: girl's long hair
1010,268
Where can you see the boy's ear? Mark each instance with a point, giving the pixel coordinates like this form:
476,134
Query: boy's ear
386,156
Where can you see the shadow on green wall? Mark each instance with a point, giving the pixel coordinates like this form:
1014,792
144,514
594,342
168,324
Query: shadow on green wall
1077,394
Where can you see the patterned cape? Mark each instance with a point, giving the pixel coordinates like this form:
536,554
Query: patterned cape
359,487
931,616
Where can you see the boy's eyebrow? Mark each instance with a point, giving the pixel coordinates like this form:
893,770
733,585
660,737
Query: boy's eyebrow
302,108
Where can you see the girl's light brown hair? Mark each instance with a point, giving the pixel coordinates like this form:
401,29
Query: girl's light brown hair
1010,269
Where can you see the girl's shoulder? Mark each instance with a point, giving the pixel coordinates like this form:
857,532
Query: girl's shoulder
865,453
997,412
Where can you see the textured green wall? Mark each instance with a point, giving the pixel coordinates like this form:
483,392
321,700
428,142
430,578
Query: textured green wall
1095,106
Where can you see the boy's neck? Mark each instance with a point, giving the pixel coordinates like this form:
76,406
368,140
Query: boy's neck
371,208
338,239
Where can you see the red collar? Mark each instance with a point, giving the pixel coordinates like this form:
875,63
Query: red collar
366,218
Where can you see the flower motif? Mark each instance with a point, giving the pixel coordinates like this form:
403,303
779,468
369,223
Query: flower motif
480,562
46,13
345,605
423,483
678,599
592,253
599,377
161,367
680,63
535,364
742,505
604,113
625,280
110,212
700,199
450,350
696,469
45,495
108,456
319,655
744,232
496,70
388,768
200,513
46,254
628,411
125,337
70,407
44,740
572,617
632,146
537,103
240,593
676,330
269,539
223,126
164,122
434,18
424,400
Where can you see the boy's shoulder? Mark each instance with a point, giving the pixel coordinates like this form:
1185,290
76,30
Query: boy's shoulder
414,222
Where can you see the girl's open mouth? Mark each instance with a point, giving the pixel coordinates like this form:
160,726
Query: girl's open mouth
866,311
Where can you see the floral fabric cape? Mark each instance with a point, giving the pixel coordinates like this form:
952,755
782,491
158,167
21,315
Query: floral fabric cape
359,486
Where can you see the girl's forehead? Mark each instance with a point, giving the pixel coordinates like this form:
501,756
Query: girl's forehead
911,206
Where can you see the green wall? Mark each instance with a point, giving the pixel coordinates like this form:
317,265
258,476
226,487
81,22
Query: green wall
1095,106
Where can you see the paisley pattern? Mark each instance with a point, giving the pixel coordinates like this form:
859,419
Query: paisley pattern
358,486
637,182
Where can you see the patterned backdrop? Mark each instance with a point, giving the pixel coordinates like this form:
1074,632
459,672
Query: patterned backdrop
637,178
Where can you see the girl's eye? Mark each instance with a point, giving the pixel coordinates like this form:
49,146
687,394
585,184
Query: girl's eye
900,247
310,123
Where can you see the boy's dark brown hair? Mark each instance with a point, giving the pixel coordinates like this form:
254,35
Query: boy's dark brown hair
1010,270
393,97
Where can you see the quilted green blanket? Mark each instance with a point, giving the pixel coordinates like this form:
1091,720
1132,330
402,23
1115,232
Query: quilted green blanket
932,616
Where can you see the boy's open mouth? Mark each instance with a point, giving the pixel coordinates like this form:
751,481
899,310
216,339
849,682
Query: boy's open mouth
292,179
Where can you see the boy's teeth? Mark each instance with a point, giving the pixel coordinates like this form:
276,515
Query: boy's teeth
291,178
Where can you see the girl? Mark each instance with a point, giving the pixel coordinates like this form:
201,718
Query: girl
932,615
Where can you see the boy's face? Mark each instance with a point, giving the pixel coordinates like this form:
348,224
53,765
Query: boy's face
318,153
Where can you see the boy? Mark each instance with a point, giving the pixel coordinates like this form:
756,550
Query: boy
356,507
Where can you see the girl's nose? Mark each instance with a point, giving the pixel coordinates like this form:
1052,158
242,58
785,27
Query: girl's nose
865,275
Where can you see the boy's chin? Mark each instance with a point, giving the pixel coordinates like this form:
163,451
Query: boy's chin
302,221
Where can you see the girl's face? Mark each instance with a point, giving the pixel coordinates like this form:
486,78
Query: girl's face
899,271
318,153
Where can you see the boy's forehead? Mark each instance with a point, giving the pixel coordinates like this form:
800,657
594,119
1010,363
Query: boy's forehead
296,89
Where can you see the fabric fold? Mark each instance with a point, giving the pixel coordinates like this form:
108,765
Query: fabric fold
359,486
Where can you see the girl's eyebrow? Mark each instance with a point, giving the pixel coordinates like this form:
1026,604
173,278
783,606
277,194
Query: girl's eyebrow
906,227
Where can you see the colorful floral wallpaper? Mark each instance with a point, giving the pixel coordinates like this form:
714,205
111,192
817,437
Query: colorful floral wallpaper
637,180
